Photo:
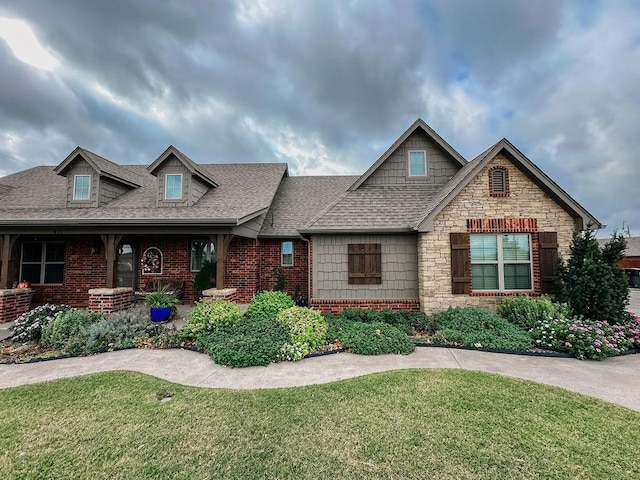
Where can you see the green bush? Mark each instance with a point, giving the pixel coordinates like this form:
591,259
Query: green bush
591,281
28,326
372,338
266,305
68,324
408,321
115,332
202,279
305,326
479,327
246,343
208,315
526,312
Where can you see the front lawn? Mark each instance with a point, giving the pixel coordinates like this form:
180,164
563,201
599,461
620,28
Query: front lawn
402,424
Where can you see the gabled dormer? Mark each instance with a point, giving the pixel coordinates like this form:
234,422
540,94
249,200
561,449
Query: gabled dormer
93,180
419,157
181,182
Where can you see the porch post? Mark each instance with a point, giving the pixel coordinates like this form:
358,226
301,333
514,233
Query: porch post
6,244
111,243
222,241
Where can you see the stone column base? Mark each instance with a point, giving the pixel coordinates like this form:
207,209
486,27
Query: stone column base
228,294
109,300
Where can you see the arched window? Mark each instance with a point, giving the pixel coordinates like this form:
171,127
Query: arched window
499,182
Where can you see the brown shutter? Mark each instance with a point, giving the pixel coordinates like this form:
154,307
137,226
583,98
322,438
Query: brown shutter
548,258
460,263
365,263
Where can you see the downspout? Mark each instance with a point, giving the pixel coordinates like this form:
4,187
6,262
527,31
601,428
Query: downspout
308,267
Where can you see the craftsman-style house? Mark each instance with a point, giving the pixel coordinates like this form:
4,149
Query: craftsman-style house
421,229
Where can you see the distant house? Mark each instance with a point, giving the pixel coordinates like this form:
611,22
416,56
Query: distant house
421,229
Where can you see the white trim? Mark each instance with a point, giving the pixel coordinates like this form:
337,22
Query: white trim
424,159
500,263
75,183
166,181
282,254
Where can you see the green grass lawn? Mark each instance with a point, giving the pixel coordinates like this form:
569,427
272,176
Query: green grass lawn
402,424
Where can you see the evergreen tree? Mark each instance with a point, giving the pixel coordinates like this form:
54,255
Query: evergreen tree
591,282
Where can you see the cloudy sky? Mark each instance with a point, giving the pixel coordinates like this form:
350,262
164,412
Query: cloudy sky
327,86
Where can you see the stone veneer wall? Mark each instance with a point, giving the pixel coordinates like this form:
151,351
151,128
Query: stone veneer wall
13,303
525,200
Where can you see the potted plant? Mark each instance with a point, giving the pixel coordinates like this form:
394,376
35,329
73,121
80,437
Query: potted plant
161,304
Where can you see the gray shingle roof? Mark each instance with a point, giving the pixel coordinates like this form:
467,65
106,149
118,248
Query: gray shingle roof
633,246
103,166
243,190
299,200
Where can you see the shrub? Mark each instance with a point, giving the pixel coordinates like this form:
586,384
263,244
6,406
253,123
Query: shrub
305,326
68,324
207,315
28,326
479,327
294,351
246,343
408,321
591,281
526,312
587,339
115,332
266,305
202,279
374,338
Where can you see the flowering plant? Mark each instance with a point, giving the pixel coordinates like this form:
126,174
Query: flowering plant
28,326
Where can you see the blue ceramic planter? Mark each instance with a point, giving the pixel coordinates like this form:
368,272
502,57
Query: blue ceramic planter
159,314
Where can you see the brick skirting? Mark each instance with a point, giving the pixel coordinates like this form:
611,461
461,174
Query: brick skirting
14,302
109,300
336,306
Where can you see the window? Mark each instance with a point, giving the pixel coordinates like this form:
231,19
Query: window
81,184
417,163
201,252
365,263
501,262
173,186
287,253
42,262
499,182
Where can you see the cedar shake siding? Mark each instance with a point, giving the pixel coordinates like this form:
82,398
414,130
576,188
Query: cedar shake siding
331,268
394,171
527,209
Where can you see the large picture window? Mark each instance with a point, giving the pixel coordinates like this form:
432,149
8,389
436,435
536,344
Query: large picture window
365,263
501,262
42,262
200,253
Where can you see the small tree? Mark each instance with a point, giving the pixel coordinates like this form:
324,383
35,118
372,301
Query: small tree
591,282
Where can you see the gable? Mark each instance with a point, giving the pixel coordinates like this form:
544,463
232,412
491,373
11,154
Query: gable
417,127
440,167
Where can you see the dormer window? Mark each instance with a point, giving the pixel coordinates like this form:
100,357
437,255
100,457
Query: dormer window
81,187
417,163
173,186
499,182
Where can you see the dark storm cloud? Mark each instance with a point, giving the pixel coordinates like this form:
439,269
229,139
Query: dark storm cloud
328,85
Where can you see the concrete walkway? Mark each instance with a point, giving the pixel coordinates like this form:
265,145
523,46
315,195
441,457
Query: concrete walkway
615,380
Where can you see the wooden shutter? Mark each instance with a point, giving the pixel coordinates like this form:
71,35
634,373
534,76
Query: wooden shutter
365,263
460,263
548,242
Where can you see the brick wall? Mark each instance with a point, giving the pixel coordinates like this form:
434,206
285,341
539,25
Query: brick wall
13,303
525,201
336,306
109,300
297,275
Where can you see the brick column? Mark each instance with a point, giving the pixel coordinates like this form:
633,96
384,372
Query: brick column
13,303
110,300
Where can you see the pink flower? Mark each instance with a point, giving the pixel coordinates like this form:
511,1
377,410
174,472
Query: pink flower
567,344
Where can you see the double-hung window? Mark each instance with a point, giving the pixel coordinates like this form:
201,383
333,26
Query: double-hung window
173,186
501,262
417,163
81,186
42,262
201,252
286,253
